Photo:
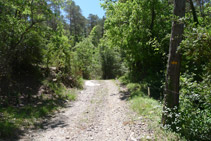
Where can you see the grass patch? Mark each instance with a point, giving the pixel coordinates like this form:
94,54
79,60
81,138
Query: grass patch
61,91
15,118
147,107
151,111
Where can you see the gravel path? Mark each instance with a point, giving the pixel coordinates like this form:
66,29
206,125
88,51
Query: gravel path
98,114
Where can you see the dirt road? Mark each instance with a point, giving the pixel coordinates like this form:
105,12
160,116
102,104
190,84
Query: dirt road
99,114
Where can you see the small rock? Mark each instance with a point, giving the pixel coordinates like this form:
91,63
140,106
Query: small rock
89,129
67,137
140,118
148,138
132,138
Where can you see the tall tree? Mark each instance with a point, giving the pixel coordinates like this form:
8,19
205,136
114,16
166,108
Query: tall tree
128,27
19,19
153,14
53,20
76,21
195,18
171,99
92,20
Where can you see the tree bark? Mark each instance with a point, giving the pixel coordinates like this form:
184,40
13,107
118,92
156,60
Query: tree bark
195,18
171,93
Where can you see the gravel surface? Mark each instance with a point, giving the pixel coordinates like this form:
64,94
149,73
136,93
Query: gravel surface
98,114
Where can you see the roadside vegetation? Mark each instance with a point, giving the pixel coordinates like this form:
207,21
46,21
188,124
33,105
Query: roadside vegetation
159,45
141,31
149,109
24,113
42,60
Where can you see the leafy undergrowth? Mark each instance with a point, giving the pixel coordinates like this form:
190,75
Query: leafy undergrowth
14,119
151,110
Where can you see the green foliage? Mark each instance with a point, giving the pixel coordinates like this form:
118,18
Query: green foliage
195,112
128,27
150,111
147,107
112,64
88,59
21,20
76,21
7,128
32,42
194,119
136,89
142,41
13,118
60,90
196,52
58,51
95,35
141,38
36,39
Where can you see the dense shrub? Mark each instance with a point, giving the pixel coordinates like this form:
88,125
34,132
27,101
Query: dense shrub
195,109
88,59
196,50
194,119
112,64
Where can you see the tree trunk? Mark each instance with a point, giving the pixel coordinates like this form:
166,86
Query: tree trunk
195,18
153,17
171,93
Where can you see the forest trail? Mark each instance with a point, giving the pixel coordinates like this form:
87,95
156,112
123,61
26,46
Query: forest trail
99,114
